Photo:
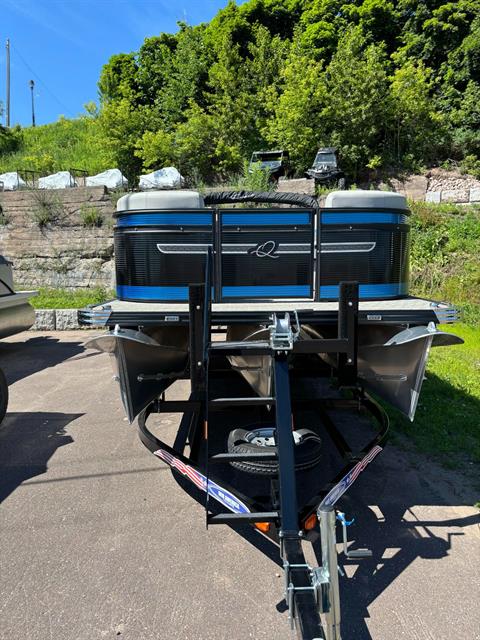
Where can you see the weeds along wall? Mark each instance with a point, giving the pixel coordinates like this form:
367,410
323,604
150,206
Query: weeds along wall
59,238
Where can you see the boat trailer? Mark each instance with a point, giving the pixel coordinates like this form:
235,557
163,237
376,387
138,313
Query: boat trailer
311,593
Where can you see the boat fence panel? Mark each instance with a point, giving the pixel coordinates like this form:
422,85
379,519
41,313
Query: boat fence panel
284,252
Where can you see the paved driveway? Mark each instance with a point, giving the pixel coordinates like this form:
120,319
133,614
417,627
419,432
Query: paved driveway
98,541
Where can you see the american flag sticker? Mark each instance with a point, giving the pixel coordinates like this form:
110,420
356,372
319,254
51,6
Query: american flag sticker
339,489
225,497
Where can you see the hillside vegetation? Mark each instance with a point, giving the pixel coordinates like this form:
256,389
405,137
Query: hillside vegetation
393,84
53,147
445,255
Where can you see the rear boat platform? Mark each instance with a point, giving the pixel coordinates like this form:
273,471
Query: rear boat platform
410,311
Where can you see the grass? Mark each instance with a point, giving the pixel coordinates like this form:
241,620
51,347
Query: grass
69,299
65,144
445,255
46,207
447,422
91,216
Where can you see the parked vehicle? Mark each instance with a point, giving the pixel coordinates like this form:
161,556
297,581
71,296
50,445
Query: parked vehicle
16,315
273,162
297,291
325,169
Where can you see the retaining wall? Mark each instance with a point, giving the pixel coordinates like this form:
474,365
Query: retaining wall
65,253
62,252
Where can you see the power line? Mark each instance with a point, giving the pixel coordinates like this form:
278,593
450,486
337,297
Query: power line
57,100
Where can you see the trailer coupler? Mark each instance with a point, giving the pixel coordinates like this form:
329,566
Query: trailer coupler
322,581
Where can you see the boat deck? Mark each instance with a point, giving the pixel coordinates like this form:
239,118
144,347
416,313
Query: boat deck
409,310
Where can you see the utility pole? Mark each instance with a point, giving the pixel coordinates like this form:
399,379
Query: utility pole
32,86
8,82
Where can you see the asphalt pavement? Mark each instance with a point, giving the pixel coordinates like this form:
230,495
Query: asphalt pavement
98,541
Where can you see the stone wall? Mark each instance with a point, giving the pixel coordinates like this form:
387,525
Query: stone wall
438,185
450,186
297,185
62,252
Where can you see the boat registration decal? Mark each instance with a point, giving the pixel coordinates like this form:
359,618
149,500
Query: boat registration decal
339,489
225,497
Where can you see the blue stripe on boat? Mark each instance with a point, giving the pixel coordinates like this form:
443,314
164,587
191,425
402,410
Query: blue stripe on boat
254,219
152,293
275,291
365,217
369,290
144,219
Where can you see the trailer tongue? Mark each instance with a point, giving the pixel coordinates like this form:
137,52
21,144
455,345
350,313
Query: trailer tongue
300,292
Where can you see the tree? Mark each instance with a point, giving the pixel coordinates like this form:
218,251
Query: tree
10,139
117,79
386,81
466,123
296,124
186,76
418,129
263,69
122,124
154,66
357,111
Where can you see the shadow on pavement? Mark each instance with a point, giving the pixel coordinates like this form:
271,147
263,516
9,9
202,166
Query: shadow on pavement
383,503
27,442
395,543
24,358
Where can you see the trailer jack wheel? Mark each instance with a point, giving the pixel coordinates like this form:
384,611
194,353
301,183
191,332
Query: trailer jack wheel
308,449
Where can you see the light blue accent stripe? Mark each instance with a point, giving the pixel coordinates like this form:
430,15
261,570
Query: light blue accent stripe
365,217
251,219
289,291
369,290
143,219
152,293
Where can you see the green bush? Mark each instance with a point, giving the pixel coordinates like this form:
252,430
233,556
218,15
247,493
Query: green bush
47,208
3,217
91,216
445,250
10,140
58,146
254,179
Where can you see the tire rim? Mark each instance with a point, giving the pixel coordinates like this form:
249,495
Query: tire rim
265,437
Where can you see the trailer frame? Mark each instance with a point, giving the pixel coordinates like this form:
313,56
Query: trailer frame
309,592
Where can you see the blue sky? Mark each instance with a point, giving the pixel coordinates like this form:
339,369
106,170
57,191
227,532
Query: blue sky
62,45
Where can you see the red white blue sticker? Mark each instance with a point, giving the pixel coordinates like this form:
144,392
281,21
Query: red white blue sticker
339,489
225,497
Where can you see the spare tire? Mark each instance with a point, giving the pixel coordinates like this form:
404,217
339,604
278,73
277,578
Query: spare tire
307,449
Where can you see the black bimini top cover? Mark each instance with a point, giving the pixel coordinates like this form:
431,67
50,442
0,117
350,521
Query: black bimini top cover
260,197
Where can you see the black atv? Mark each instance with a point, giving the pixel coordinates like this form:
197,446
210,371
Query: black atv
325,169
274,162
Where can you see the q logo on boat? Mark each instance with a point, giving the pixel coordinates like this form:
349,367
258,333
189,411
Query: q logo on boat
265,250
